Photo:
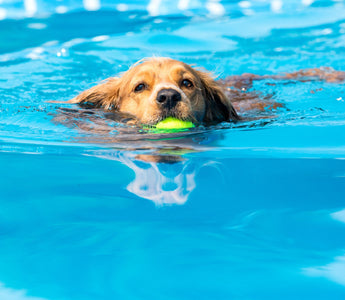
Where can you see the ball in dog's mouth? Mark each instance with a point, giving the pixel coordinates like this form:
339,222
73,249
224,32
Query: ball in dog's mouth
174,123
170,124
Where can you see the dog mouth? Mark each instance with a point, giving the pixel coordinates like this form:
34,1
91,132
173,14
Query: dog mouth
176,113
182,111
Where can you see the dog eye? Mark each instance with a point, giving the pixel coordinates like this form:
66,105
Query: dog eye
140,87
187,83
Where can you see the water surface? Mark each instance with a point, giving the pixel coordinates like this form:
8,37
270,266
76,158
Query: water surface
253,210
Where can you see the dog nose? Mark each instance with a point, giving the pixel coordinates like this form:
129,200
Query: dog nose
168,97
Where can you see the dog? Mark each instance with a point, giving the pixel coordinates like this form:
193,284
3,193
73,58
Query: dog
157,88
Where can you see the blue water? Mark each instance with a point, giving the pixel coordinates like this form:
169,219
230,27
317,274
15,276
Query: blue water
254,210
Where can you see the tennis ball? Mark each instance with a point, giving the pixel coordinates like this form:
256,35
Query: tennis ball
173,123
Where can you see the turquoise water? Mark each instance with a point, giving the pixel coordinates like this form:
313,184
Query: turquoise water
254,210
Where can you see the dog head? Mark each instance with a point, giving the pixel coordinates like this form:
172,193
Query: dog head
156,88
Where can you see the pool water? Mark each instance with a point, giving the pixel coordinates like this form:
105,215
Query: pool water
93,209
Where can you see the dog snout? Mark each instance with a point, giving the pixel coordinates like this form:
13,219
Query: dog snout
168,97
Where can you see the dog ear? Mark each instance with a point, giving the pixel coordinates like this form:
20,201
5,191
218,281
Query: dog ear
105,95
218,105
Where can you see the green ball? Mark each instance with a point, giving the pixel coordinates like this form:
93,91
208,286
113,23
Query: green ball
173,123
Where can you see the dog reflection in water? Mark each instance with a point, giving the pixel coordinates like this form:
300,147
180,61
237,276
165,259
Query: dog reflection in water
163,179
162,183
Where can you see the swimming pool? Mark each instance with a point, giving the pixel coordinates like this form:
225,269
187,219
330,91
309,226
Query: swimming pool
242,211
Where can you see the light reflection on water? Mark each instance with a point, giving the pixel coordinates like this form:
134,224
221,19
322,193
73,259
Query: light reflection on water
91,207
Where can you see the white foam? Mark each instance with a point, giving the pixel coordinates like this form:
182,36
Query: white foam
30,7
92,5
276,6
326,31
100,38
153,7
61,9
215,8
183,4
3,13
36,53
307,2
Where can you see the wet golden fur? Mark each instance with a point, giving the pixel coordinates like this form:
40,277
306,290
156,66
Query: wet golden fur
204,101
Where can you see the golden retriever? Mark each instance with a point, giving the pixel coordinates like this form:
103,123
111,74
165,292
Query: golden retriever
157,88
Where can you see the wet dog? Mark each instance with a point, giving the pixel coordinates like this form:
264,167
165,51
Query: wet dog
157,88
